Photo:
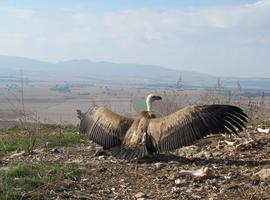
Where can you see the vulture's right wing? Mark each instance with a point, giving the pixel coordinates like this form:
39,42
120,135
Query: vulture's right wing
105,127
191,123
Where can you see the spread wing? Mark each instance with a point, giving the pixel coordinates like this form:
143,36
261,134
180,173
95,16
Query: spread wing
191,123
105,127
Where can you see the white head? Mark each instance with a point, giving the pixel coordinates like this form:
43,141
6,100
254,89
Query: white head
150,99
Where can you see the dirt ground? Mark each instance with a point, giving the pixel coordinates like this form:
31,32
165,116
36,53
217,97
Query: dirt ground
237,167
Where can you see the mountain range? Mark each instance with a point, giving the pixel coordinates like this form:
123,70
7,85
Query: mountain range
121,73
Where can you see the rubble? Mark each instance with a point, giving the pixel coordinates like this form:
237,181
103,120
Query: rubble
203,172
220,167
229,143
139,195
17,154
159,165
262,130
264,173
55,150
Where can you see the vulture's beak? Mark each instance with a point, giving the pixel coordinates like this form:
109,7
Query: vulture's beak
158,98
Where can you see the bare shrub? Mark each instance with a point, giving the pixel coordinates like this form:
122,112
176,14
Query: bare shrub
27,121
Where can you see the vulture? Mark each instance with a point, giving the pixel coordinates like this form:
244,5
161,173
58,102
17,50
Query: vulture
129,138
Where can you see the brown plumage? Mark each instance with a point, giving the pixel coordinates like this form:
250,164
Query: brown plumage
135,138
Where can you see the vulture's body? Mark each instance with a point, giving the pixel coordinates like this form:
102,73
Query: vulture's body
129,138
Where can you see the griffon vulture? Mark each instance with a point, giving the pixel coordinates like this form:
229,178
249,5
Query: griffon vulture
129,138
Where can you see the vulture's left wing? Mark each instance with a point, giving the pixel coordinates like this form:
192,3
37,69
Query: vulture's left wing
191,123
105,127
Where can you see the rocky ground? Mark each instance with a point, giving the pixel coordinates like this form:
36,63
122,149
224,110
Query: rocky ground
233,167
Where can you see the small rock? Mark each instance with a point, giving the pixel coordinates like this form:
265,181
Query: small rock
75,161
181,182
17,154
203,172
171,177
207,154
220,145
55,150
90,147
178,181
264,173
100,152
38,151
244,146
175,189
101,157
159,165
229,143
188,151
103,169
194,196
173,162
227,177
217,154
140,195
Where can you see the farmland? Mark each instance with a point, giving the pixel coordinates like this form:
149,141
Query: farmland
43,156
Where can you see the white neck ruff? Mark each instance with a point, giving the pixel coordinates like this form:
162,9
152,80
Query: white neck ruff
149,105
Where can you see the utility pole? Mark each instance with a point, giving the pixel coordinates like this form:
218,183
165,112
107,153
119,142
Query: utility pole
262,98
179,84
219,86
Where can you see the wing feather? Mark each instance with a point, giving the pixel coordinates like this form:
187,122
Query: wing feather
105,127
192,123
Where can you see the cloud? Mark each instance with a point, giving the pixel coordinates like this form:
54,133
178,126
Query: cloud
11,38
11,42
218,40
155,24
260,3
16,12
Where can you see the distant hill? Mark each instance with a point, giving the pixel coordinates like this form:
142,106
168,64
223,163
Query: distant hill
120,73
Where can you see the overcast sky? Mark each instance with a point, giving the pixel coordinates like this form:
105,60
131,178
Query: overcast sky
225,37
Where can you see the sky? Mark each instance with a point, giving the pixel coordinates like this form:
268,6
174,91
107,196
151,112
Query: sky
223,38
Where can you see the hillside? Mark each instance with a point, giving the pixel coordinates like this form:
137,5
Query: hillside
66,165
85,70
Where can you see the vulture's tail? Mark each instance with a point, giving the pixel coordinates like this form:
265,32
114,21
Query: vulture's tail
130,154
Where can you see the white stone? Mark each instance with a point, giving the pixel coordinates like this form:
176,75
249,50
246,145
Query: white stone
264,173
139,195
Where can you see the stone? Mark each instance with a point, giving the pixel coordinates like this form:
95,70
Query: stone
17,154
217,154
101,157
264,173
203,172
194,196
189,151
139,195
207,154
177,181
100,152
175,189
171,177
159,165
55,150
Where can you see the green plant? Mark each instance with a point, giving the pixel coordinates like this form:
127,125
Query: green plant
26,179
